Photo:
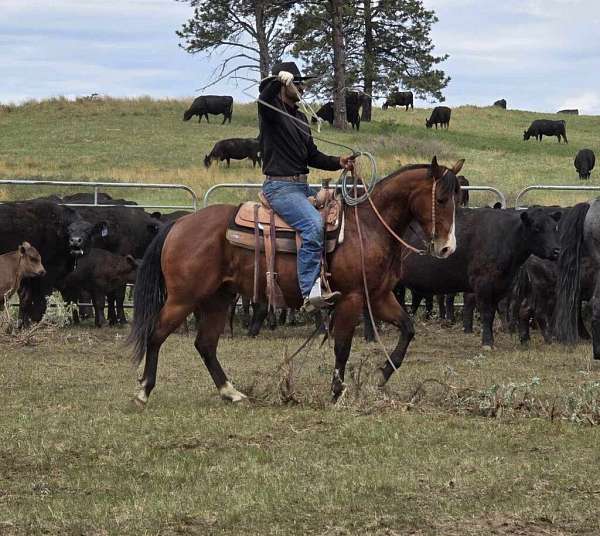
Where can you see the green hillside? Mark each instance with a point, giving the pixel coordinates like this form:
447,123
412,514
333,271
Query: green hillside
146,140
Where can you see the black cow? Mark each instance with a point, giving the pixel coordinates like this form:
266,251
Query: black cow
546,127
88,198
130,231
440,115
399,98
170,216
501,104
535,295
353,104
99,273
491,246
236,149
59,233
210,104
584,163
573,111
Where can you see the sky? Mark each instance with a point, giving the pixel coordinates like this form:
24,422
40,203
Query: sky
541,55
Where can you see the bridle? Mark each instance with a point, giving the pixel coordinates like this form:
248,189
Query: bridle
429,245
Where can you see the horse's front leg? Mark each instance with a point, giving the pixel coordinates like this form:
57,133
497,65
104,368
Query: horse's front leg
346,316
389,310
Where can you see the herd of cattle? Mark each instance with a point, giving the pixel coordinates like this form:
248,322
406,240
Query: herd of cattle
242,148
503,256
83,252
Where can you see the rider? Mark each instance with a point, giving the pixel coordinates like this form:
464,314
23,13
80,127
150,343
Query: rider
287,149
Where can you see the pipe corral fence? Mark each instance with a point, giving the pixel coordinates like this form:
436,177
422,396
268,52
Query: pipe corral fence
109,184
553,187
256,186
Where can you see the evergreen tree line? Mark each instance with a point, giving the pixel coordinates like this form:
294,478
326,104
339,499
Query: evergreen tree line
373,46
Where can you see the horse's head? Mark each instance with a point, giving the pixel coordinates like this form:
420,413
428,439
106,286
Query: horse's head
433,206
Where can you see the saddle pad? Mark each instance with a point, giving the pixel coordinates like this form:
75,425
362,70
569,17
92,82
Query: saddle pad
245,216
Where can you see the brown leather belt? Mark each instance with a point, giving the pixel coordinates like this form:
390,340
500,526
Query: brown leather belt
289,178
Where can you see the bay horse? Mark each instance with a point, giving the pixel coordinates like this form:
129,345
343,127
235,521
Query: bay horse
190,267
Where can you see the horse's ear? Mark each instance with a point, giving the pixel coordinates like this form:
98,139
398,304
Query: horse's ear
458,166
435,168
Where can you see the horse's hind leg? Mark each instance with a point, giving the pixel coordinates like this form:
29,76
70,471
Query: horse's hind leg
169,319
346,316
212,317
389,310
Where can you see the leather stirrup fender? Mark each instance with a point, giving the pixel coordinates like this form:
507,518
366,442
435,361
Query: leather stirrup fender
256,254
274,294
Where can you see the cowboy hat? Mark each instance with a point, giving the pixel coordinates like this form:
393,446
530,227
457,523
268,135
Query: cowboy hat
288,66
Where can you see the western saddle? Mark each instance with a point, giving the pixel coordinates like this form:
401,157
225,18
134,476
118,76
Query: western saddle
257,227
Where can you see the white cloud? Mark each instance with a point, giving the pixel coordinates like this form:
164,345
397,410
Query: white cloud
535,53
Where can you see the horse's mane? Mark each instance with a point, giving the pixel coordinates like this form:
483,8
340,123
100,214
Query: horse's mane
447,183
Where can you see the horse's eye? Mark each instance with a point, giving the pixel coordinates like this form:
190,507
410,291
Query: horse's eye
442,201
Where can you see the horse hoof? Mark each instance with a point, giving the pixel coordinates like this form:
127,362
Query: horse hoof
137,404
486,348
229,392
339,393
379,378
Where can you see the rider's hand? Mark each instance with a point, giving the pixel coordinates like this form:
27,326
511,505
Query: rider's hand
347,162
285,78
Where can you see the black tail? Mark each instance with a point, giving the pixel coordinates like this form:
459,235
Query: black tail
569,268
520,290
148,296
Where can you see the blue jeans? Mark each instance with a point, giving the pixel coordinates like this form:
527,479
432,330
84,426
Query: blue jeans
289,200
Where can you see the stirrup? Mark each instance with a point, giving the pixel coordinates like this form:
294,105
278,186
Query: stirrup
329,299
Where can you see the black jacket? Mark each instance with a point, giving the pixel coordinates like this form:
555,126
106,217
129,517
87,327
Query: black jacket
287,148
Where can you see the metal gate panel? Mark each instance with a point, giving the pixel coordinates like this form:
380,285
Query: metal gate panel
257,186
554,187
96,185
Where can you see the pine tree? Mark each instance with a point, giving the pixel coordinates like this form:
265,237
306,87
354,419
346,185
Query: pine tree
251,29
318,37
388,44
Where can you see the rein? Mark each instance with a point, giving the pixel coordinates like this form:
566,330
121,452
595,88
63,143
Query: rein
367,298
401,241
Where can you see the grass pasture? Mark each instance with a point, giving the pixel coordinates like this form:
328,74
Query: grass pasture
460,442
145,140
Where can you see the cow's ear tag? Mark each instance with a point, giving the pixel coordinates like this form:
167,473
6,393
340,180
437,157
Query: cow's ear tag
104,232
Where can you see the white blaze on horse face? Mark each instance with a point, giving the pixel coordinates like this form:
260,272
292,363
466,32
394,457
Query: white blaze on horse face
445,248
